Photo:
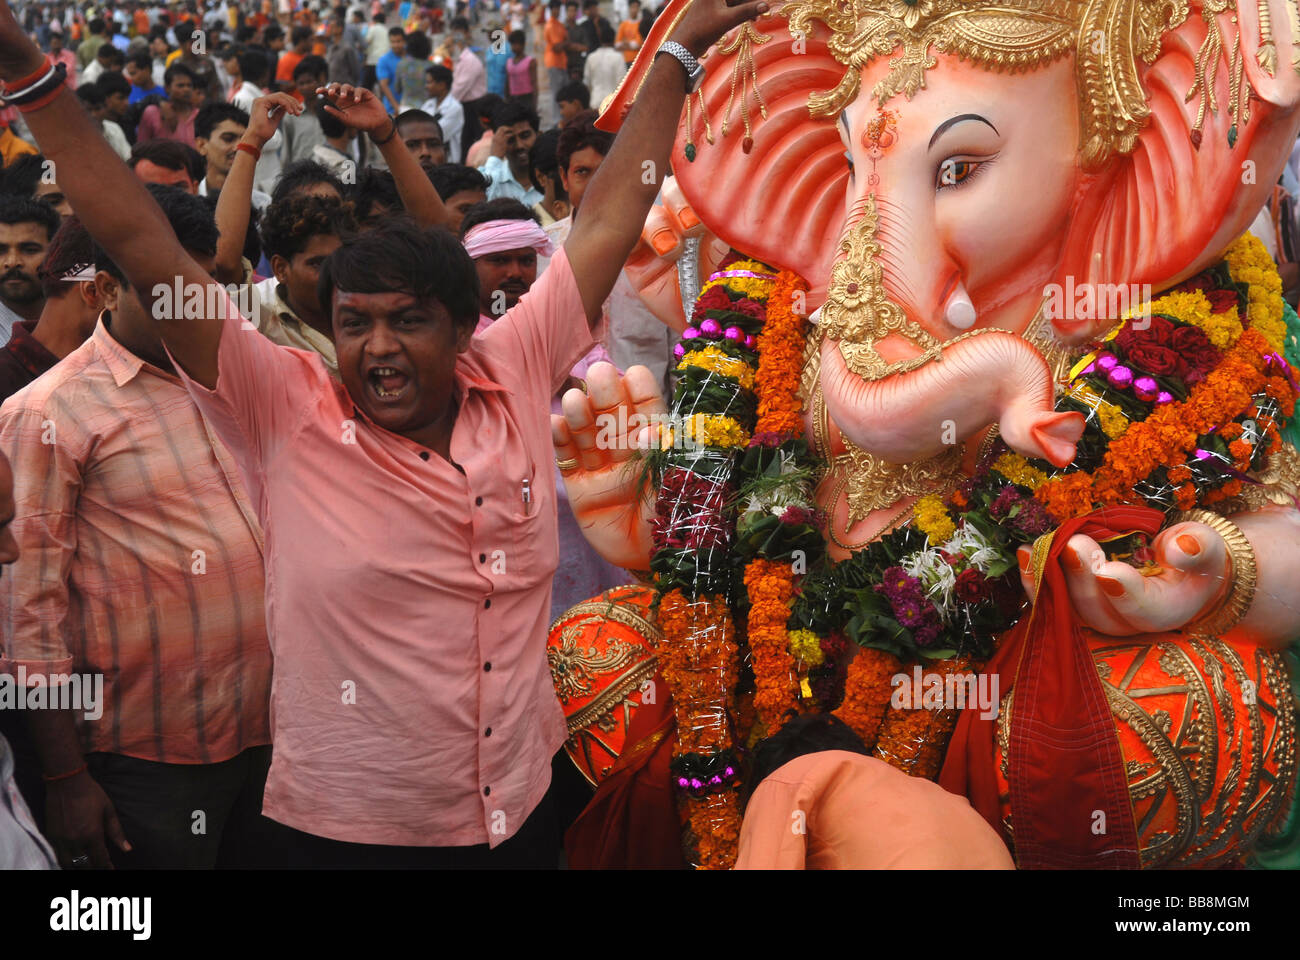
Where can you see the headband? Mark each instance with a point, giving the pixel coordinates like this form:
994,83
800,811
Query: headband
497,235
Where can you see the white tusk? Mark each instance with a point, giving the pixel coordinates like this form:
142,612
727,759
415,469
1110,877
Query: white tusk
960,312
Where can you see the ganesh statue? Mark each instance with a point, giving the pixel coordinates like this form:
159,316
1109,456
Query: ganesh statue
982,435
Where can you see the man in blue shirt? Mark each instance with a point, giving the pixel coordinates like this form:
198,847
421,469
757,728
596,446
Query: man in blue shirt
139,70
386,69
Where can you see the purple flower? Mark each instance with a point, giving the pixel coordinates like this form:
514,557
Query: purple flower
796,515
1004,501
1032,521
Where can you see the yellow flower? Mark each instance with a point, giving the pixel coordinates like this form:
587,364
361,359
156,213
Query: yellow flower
932,519
1017,469
1250,263
714,359
751,287
1113,421
715,430
806,647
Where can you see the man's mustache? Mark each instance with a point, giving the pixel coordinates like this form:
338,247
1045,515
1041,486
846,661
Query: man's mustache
17,274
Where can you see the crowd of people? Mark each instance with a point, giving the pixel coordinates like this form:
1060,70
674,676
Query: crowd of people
288,296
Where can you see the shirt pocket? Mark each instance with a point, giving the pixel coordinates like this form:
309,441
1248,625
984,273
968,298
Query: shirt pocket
535,547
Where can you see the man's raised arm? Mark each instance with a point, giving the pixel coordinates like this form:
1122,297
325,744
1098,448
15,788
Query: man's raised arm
615,205
108,198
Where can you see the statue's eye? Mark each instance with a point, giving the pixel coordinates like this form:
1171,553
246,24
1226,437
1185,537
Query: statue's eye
955,173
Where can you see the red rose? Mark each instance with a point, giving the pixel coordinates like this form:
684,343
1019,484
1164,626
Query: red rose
1202,281
713,299
1195,348
1154,359
749,308
971,586
1221,300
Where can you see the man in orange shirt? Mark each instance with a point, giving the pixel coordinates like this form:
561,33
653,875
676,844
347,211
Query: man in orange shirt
629,37
556,37
300,41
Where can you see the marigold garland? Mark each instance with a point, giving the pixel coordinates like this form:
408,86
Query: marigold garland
913,739
867,689
780,359
715,360
931,518
771,586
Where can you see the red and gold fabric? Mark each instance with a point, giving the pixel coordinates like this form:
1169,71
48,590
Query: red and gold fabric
602,658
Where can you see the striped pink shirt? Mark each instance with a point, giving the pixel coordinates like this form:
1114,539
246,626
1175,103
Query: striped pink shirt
408,602
141,559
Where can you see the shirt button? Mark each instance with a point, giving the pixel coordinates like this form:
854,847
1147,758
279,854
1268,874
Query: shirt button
487,603
478,501
487,667
482,558
424,454
487,791
487,732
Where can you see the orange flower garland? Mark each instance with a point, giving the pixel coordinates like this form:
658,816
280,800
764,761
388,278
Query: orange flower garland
867,690
771,587
914,739
771,584
699,663
1167,435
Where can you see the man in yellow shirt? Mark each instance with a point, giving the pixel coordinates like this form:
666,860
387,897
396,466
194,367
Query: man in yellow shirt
12,147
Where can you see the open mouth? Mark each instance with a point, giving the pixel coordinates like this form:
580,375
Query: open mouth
388,384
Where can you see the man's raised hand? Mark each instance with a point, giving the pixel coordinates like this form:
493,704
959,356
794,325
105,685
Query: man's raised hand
358,108
705,21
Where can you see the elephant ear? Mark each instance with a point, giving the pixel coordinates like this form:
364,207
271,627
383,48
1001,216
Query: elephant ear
1169,208
773,187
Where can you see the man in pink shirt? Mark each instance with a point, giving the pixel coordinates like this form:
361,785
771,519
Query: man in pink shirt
409,510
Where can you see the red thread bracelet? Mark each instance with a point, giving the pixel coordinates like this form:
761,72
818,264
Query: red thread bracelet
39,102
64,776
27,81
249,149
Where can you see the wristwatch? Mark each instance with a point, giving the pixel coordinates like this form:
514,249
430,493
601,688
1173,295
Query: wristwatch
694,69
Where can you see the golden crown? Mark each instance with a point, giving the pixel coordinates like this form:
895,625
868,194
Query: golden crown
1108,38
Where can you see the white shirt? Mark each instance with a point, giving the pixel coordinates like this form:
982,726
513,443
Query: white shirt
116,139
92,72
268,168
603,73
450,115
21,845
376,43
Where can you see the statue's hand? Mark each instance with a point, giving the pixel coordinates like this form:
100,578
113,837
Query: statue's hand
652,267
1113,598
597,444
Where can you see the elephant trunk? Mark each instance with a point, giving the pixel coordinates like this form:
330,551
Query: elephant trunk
993,377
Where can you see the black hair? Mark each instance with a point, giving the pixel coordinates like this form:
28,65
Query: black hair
330,125
298,34
415,115
312,64
418,45
214,113
191,219
604,33
245,33
575,90
303,173
112,83
810,733
452,178
252,243
396,32
141,59
399,256
253,65
179,69
115,57
16,209
373,187
288,225
509,114
91,95
96,25
541,161
517,36
460,23
170,155
20,178
578,134
439,73
70,247
273,31
502,208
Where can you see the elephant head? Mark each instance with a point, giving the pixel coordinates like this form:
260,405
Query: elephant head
935,167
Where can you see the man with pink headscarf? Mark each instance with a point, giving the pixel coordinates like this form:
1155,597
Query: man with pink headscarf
505,241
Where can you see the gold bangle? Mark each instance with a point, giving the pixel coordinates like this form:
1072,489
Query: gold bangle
1243,576
567,465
